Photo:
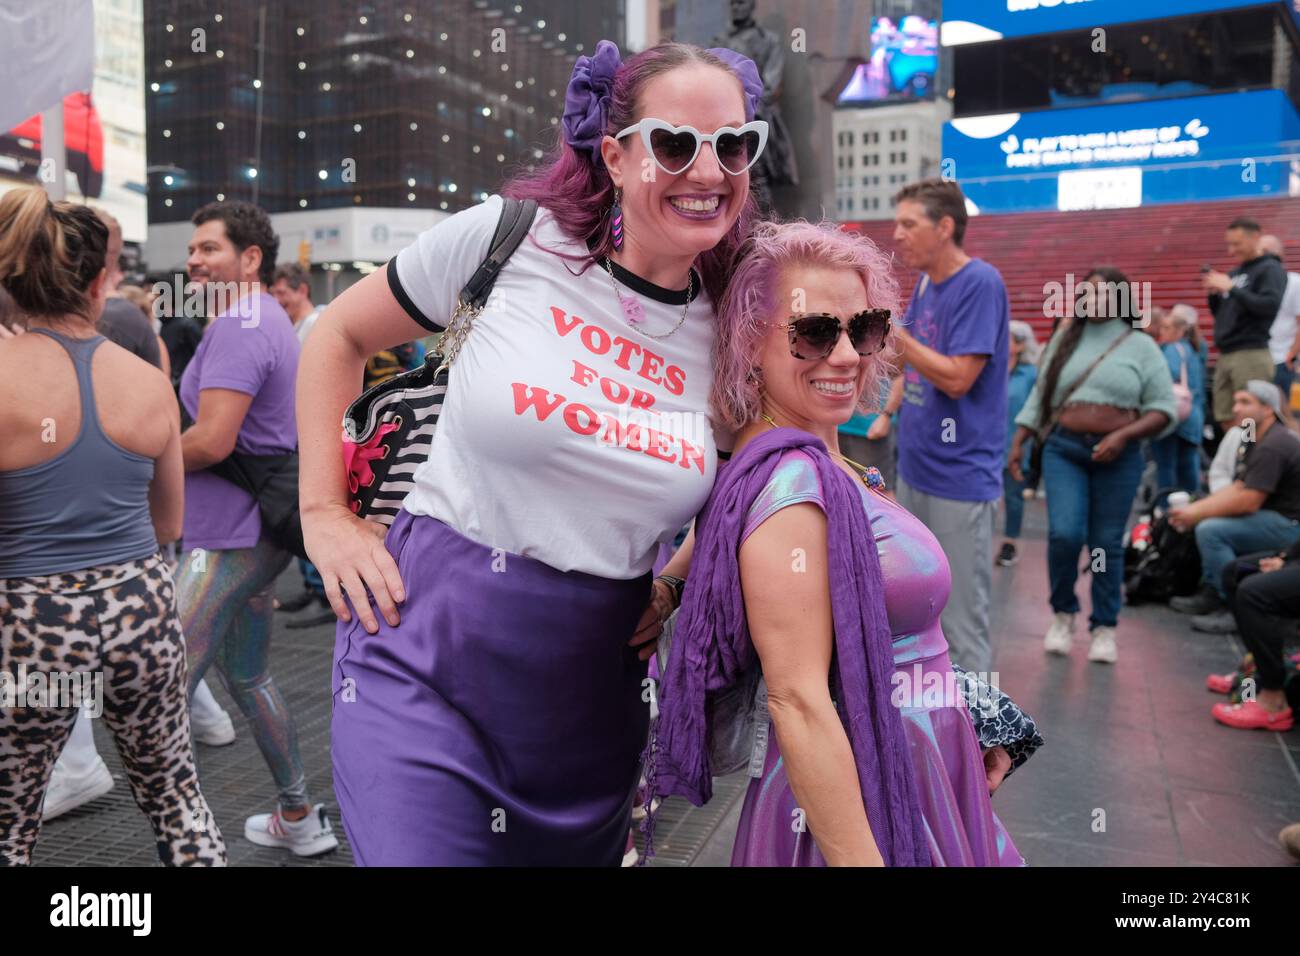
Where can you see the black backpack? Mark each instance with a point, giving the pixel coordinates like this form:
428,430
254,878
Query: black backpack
1169,566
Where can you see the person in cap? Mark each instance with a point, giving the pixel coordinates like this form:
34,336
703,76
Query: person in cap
1260,509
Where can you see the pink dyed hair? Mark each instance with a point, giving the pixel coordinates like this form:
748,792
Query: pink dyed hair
578,191
749,307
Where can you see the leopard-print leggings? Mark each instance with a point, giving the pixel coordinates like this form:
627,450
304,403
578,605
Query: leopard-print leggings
120,621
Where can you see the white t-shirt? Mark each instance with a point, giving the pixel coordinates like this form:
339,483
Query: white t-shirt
308,320
1224,465
566,435
1281,334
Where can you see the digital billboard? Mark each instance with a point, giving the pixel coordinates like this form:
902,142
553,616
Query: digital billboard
1223,146
975,21
904,60
103,127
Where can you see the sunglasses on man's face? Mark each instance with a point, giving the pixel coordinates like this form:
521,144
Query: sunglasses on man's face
815,335
674,148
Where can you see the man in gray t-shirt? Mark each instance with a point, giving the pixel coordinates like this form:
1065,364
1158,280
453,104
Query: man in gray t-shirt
125,323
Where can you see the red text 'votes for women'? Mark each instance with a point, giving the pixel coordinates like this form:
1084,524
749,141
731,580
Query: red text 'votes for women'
616,430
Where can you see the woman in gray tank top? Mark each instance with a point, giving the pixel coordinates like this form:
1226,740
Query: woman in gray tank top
90,486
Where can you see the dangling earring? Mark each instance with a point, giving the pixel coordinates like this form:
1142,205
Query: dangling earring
616,220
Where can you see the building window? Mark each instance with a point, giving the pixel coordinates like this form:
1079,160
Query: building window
850,204
903,156
902,136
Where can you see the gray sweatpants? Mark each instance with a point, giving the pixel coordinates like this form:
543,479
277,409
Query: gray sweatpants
965,532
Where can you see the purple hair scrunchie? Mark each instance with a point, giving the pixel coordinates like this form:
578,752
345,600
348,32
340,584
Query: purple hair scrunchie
586,99
747,72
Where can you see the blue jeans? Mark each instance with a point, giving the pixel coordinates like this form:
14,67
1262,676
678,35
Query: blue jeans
1178,464
1220,540
1282,378
311,579
1088,503
1013,500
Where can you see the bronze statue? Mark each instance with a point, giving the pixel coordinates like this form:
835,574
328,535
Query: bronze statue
776,167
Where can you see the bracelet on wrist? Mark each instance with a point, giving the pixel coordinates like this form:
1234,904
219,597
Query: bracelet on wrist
675,585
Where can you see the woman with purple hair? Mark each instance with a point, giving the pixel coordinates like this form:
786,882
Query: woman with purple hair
497,718
806,573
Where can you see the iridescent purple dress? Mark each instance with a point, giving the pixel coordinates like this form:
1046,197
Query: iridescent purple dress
959,819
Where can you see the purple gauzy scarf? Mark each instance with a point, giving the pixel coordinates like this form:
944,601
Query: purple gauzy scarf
711,647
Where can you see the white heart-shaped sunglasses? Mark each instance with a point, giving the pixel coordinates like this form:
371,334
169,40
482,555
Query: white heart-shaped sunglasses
674,148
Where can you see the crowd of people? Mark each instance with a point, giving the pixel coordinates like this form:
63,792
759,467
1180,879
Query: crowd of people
659,361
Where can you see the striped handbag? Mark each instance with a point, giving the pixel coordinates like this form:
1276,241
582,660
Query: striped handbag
388,430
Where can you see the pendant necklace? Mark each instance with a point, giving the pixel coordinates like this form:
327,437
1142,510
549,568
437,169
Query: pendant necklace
869,474
634,311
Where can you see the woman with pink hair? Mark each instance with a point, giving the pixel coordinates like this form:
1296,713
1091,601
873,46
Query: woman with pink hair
805,570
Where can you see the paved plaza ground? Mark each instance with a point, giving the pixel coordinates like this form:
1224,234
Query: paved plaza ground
1134,741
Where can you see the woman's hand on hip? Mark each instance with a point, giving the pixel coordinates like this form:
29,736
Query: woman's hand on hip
350,555
651,625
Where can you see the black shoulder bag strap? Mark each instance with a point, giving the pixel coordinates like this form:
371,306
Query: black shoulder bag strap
516,219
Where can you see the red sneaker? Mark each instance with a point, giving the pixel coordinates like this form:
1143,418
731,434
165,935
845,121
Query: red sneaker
1250,715
1220,683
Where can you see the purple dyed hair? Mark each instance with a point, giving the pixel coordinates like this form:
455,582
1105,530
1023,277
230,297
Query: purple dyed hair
579,192
749,307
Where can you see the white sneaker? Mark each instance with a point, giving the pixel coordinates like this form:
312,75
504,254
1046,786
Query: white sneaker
1060,634
209,722
70,789
215,730
1103,649
309,836
639,812
631,855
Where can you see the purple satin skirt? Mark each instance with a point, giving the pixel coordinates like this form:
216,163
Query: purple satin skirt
500,723
959,819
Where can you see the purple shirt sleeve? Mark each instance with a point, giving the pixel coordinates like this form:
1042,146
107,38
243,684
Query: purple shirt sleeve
976,319
238,358
794,481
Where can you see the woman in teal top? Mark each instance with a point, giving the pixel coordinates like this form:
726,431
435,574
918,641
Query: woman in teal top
1091,461
1024,372
1178,455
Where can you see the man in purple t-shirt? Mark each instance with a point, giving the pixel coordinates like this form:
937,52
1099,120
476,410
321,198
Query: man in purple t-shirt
239,390
952,422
